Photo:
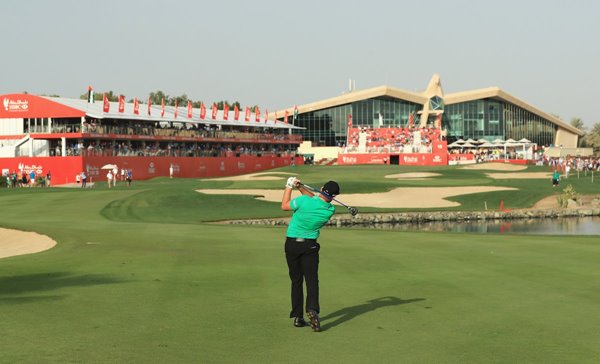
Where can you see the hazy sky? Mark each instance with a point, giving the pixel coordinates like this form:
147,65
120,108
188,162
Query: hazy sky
277,53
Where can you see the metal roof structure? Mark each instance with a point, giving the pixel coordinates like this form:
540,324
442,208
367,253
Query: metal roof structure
95,110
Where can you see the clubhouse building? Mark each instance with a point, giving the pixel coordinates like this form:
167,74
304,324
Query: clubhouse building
485,114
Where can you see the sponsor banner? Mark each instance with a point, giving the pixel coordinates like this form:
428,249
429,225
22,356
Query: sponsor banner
364,158
64,169
421,159
31,106
412,159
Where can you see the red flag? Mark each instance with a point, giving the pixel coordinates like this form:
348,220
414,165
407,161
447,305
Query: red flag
275,120
411,120
189,109
202,111
121,103
226,111
349,120
105,103
285,117
247,113
149,107
162,107
176,111
214,111
438,121
136,106
266,115
236,113
256,114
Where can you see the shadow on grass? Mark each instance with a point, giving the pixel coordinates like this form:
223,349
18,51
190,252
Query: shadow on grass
348,313
43,282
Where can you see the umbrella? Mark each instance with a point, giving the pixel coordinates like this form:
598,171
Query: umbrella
109,166
498,141
488,145
482,140
510,140
460,141
470,141
454,145
467,145
524,141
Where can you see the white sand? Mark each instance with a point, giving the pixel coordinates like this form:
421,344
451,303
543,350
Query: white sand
526,175
419,197
413,175
15,242
263,176
495,166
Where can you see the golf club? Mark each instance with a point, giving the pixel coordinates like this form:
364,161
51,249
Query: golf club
353,210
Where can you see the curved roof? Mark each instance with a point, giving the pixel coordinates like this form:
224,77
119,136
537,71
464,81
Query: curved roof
421,98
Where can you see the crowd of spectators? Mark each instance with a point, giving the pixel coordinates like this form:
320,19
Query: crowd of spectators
393,140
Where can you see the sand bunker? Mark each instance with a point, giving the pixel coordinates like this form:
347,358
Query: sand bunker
425,197
413,176
15,242
495,166
264,176
530,175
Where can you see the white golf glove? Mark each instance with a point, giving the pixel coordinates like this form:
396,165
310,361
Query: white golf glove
291,182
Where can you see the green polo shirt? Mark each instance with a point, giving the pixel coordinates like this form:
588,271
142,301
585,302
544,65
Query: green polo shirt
310,214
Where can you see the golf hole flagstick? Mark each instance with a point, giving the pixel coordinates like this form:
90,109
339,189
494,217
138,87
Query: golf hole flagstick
353,210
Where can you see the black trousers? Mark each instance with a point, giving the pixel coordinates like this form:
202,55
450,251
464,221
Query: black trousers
303,265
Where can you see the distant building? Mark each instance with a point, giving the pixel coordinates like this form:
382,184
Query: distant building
489,113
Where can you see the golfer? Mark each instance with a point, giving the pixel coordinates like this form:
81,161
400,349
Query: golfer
301,247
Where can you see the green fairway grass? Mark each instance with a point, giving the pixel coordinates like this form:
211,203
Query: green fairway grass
139,276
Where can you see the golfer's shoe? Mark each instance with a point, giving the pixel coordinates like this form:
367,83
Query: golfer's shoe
299,322
314,320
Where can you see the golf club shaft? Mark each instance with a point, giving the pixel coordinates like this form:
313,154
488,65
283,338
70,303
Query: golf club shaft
317,191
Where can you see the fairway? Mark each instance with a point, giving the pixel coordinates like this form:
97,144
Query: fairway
139,275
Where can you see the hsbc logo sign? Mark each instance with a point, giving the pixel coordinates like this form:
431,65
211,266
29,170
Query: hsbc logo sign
408,159
349,160
11,105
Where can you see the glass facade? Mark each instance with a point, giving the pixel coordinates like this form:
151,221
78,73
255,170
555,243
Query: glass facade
491,119
328,127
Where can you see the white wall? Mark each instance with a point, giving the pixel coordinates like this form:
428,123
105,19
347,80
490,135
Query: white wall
11,126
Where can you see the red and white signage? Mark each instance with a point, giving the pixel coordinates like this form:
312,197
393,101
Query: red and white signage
105,103
121,103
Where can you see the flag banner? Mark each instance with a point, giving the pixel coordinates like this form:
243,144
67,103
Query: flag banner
438,121
121,103
275,120
380,120
214,110
105,103
90,95
189,115
236,113
162,108
411,119
136,106
266,115
256,114
202,111
285,117
149,107
247,113
226,111
349,120
295,113
176,110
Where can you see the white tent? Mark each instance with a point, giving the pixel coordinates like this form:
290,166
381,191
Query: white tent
498,141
